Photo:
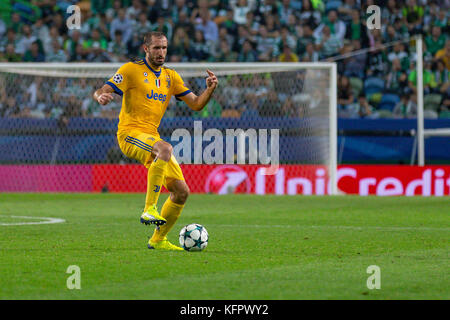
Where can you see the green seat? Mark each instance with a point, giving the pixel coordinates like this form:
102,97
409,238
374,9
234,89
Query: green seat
430,114
383,114
357,85
444,115
432,101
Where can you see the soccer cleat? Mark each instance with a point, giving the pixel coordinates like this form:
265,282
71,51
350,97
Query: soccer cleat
151,216
163,245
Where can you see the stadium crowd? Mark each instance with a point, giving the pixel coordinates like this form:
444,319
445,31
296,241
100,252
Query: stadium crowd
377,82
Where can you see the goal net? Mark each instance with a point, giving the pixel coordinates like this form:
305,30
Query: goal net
275,120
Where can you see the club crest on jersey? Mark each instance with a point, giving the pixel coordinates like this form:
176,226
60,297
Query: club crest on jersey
168,82
158,83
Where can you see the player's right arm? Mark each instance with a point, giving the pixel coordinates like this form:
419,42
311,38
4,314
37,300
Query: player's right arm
120,82
104,94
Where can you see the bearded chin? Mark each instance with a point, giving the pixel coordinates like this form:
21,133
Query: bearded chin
156,63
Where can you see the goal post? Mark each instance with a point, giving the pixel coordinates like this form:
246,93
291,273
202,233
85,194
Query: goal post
298,99
422,133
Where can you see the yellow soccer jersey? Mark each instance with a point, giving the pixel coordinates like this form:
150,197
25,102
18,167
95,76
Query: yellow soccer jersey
145,94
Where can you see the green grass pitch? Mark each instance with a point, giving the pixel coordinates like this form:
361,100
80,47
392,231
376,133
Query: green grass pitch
260,247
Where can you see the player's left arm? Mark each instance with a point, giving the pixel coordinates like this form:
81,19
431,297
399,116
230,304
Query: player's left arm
197,103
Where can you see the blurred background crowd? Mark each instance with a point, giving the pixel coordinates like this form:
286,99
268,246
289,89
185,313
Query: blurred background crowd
377,68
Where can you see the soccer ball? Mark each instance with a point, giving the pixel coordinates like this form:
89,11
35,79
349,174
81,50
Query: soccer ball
194,237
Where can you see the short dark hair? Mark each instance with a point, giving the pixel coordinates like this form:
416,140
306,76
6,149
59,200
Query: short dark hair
153,34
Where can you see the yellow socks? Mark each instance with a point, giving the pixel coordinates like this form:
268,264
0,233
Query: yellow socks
170,211
155,180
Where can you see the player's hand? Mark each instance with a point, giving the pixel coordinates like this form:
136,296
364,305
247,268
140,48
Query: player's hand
211,81
105,98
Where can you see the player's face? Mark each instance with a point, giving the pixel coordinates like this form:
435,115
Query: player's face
157,51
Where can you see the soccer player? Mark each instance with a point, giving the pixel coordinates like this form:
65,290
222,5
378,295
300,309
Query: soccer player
146,87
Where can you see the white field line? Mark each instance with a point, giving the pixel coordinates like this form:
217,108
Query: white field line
358,228
46,221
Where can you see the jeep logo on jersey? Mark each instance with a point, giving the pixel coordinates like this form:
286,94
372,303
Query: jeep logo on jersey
158,97
158,83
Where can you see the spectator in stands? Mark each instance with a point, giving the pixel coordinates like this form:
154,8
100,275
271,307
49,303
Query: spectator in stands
225,36
16,22
133,12
142,25
272,25
265,45
208,27
376,62
229,23
441,77
271,107
96,47
9,108
240,10
40,30
248,53
345,95
40,110
336,26
111,13
435,41
444,54
346,10
10,54
251,25
47,41
285,39
414,16
116,49
123,24
365,110
310,55
391,34
180,46
288,109
179,7
355,65
358,109
396,80
328,44
391,12
309,15
26,40
287,55
284,11
405,108
400,54
305,38
71,44
429,83
56,54
200,50
9,39
163,25
2,28
34,54
224,54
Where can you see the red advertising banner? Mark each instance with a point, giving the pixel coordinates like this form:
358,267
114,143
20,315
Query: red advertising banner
381,180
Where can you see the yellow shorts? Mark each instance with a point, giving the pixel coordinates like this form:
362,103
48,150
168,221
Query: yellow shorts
138,145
